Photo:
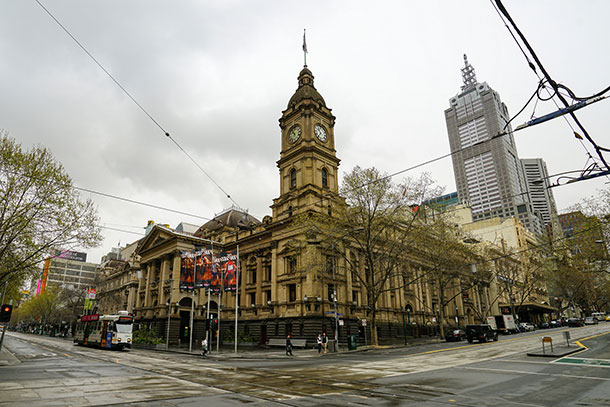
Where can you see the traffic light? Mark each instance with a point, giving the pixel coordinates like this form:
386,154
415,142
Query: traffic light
213,324
5,312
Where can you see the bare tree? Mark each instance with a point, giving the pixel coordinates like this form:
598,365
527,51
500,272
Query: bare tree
373,232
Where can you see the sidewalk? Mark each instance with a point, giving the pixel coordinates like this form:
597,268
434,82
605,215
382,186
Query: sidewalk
277,352
558,351
7,358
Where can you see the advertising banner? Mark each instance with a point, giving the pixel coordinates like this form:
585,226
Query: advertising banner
70,255
227,262
204,267
187,270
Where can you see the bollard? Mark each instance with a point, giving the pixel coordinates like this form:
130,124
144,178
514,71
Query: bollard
566,335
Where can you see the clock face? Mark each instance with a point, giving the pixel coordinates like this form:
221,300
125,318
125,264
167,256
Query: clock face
320,133
294,134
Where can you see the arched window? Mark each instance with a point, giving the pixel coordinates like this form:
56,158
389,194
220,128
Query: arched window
324,178
293,178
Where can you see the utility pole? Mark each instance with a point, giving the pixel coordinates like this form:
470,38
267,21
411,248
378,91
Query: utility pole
335,300
169,314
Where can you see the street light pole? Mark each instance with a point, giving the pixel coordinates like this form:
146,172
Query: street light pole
335,302
169,314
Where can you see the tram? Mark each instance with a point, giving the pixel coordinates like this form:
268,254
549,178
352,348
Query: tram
105,331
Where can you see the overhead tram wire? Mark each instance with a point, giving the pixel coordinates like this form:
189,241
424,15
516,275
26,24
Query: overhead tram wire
553,84
533,67
120,230
91,191
133,99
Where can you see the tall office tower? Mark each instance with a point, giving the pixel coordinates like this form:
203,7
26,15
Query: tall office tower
540,194
488,173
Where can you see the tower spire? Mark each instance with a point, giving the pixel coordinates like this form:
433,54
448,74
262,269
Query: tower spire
468,75
304,50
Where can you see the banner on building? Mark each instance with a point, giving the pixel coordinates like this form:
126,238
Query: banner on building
204,267
187,270
70,255
227,262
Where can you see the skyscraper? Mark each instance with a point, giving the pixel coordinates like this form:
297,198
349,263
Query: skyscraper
541,197
488,173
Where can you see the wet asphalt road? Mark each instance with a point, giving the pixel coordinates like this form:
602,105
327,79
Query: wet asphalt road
55,372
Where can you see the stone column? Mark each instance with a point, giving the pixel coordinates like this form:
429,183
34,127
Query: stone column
140,286
176,276
164,277
275,264
259,281
149,276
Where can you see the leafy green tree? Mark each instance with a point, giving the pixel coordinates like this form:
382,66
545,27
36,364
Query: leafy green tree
40,211
42,309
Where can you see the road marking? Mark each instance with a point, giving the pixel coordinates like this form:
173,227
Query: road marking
65,354
534,373
584,361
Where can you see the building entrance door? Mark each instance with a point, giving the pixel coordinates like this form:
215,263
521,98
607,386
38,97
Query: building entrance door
263,340
185,319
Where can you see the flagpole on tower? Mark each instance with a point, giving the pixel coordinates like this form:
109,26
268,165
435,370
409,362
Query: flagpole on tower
304,49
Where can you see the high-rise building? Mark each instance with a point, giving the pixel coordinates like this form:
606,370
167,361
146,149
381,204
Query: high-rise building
68,269
488,173
540,195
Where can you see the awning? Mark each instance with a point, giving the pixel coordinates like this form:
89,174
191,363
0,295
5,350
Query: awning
532,306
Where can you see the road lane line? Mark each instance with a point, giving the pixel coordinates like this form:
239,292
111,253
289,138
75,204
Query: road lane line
607,379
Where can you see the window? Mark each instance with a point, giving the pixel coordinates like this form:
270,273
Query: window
330,263
267,296
253,276
331,291
292,292
267,272
291,264
324,178
252,297
355,297
293,178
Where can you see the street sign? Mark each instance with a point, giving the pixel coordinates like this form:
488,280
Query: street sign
340,322
364,322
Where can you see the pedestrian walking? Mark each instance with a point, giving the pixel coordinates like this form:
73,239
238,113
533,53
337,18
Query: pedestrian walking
324,341
288,346
319,341
204,348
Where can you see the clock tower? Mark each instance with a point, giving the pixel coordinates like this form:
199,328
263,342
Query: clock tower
308,163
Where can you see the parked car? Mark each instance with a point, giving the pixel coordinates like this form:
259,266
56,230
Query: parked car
555,323
481,333
590,321
455,335
526,327
608,318
575,322
544,325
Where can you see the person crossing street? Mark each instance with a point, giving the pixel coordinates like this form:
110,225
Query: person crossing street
288,346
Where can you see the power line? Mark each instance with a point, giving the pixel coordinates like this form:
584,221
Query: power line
133,99
133,201
121,230
540,79
551,82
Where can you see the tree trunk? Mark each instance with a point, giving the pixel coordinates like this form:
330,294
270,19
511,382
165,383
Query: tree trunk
374,337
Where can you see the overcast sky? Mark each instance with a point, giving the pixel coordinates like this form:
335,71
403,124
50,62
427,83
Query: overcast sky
218,74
